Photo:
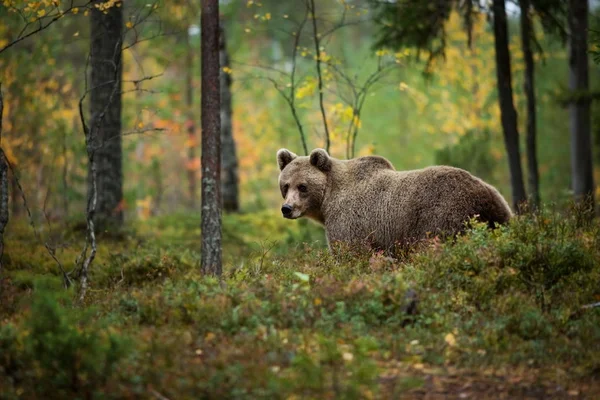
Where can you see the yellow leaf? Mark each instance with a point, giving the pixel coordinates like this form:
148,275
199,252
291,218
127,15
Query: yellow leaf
450,339
140,125
307,90
75,10
129,24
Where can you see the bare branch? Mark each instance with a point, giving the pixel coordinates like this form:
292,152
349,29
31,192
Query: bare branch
317,40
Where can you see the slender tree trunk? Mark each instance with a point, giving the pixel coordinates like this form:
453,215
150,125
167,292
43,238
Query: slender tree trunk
15,210
65,175
191,125
579,108
158,182
3,201
105,123
3,186
211,140
529,86
507,108
317,40
229,164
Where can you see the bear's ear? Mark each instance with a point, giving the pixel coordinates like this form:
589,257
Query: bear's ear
284,157
320,159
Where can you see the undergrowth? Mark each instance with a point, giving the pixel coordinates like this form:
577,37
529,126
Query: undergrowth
290,320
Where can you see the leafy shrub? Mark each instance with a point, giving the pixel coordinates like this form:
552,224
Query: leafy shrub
545,255
56,353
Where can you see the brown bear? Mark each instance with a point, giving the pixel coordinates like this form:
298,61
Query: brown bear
366,200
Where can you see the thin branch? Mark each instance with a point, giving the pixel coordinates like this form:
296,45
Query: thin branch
293,82
316,38
22,36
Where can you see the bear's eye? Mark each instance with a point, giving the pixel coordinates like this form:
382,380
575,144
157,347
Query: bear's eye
302,188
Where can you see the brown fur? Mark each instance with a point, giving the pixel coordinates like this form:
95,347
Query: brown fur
366,199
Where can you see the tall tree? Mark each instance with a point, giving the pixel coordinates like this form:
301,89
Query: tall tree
507,107
579,107
529,87
211,139
105,105
229,163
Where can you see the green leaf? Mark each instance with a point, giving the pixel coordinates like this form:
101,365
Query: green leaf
302,277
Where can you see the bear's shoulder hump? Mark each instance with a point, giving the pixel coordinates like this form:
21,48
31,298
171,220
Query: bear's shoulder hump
373,162
365,167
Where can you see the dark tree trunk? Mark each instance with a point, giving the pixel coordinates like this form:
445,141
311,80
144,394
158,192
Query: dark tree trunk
507,108
3,201
579,108
211,139
15,209
529,86
65,175
158,182
105,123
3,187
191,125
229,164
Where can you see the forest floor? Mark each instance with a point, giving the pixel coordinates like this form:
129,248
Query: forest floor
500,314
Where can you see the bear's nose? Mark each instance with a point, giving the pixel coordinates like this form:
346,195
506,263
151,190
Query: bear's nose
286,210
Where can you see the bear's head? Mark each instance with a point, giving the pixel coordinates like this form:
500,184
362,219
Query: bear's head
303,181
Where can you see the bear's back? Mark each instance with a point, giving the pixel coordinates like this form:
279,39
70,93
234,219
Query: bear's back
386,206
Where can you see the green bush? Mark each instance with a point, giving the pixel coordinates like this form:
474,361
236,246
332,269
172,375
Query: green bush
57,352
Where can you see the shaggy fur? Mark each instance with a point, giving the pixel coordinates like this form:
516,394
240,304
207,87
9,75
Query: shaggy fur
366,200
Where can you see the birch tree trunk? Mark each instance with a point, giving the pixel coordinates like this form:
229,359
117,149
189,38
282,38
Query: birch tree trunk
211,140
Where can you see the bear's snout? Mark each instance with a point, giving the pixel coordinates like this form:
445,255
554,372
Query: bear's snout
286,210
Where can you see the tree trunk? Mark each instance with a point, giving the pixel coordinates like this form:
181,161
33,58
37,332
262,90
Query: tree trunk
105,104
229,164
65,182
507,108
529,86
579,108
15,209
3,187
191,126
211,139
158,184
